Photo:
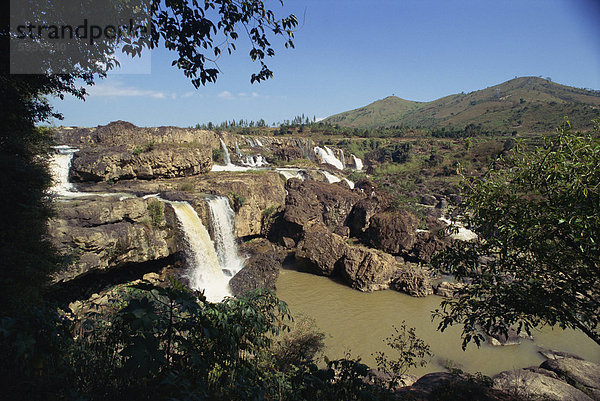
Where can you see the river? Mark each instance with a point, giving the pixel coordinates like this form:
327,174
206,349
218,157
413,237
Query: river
359,322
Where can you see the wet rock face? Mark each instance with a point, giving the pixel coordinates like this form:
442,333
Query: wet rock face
98,234
392,232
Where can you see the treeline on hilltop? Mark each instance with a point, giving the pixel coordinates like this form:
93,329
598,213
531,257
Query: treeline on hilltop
303,125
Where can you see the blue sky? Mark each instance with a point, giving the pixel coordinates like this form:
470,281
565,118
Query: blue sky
351,53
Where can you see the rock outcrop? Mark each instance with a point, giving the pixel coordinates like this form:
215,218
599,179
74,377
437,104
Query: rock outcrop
367,269
320,250
413,281
104,164
582,374
535,382
309,203
261,268
123,133
323,252
392,232
99,233
257,195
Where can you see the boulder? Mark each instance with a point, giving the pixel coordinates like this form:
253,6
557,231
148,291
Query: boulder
312,202
448,289
529,383
413,281
320,250
366,269
392,232
259,271
326,253
513,337
428,200
360,215
427,244
583,374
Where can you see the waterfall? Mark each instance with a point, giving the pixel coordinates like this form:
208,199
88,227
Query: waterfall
237,150
333,179
342,158
288,173
59,168
255,161
358,164
221,216
259,143
330,177
205,272
328,156
226,157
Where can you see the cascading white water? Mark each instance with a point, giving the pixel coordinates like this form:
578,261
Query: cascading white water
288,173
358,164
222,220
463,234
342,157
259,143
237,150
328,156
333,179
59,168
226,157
205,272
255,161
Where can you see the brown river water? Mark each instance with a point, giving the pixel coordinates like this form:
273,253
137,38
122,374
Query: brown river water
359,322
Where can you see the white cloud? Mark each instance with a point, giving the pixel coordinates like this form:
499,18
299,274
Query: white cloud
116,89
240,95
226,95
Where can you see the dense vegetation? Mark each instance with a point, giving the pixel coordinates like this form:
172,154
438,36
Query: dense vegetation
538,219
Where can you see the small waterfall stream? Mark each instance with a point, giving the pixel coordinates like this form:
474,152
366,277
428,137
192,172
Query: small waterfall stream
358,164
327,155
222,222
226,156
59,168
205,271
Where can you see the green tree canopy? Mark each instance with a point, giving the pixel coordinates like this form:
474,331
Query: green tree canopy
537,258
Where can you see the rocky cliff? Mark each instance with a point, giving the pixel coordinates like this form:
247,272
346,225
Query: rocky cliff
101,233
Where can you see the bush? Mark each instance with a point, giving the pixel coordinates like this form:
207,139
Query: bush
156,209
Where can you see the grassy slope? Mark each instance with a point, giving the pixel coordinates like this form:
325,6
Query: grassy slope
527,104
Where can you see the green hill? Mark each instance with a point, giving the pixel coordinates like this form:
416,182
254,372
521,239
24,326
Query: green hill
527,104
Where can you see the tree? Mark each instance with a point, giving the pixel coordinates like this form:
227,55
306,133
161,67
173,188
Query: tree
537,260
198,33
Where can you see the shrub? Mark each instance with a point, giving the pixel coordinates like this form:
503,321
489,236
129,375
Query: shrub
156,209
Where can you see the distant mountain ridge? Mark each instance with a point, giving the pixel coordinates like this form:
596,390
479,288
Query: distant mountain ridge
526,104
